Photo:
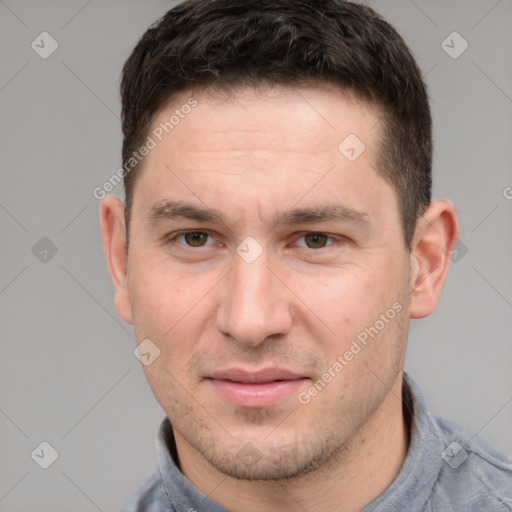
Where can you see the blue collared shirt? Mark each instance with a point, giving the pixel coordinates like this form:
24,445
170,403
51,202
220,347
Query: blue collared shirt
447,469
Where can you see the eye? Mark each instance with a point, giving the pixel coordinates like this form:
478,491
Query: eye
192,238
316,240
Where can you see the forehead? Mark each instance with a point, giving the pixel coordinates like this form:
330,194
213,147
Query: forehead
286,144
250,118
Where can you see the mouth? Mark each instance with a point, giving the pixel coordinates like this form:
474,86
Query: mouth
258,389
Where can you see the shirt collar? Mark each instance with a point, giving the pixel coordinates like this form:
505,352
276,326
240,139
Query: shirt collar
180,491
412,487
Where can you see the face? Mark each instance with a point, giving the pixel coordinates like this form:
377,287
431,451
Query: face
267,264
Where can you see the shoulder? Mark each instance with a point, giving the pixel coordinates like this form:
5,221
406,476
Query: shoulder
151,497
474,476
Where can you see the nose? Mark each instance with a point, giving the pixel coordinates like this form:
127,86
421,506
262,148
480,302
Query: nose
254,304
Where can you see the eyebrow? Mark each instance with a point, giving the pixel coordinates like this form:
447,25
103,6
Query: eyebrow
179,209
176,209
321,214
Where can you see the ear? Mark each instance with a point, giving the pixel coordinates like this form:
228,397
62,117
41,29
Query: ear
434,242
113,233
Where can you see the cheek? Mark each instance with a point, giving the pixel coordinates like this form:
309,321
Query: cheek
350,302
159,298
170,311
349,298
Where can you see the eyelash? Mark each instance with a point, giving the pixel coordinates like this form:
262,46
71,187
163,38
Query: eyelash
173,238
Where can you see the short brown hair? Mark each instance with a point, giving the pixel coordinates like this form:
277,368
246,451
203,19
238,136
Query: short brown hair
235,43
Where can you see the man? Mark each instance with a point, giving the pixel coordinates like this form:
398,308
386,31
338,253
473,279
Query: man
277,235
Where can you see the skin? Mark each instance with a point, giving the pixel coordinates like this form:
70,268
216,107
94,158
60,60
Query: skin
252,154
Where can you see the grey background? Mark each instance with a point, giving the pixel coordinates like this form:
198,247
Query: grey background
67,372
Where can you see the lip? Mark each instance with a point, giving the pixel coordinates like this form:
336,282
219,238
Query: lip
258,389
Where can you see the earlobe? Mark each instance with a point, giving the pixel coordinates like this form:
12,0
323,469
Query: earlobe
436,235
113,232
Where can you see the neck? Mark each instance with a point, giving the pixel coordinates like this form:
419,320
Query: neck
365,469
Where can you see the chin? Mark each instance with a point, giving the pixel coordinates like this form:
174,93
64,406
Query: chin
283,462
